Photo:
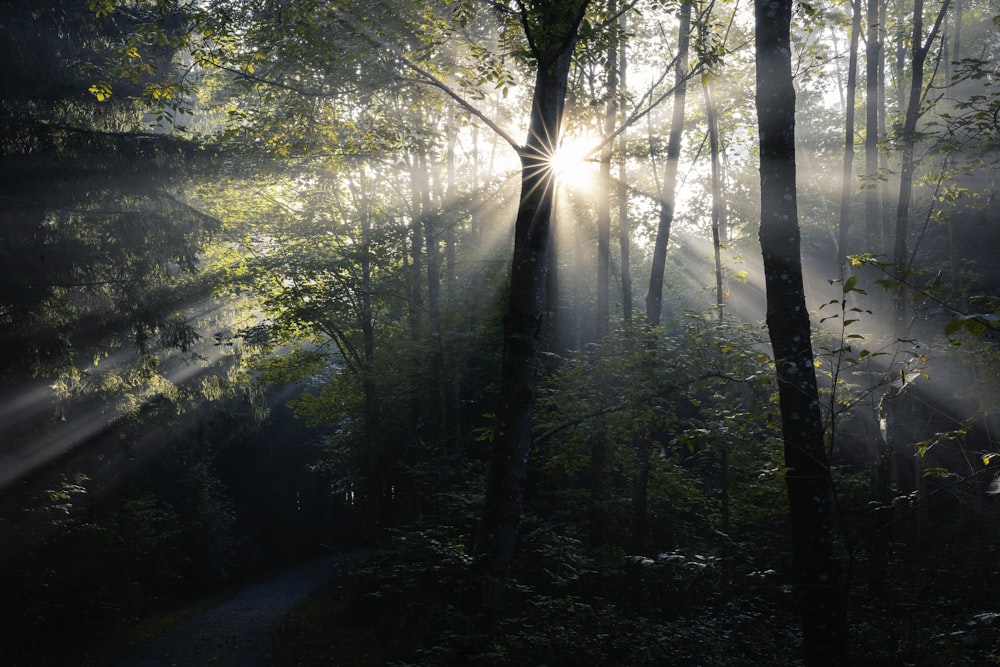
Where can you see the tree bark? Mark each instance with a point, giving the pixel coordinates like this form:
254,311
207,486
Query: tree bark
624,232
604,191
654,297
873,66
908,165
429,218
551,29
846,184
449,201
718,203
816,573
368,384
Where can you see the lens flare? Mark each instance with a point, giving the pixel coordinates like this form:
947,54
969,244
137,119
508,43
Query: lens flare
574,162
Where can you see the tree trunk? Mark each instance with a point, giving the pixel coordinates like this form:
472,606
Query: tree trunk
368,385
449,201
873,60
816,573
604,191
436,414
552,28
415,307
718,202
654,297
956,45
908,165
846,184
553,336
453,380
624,232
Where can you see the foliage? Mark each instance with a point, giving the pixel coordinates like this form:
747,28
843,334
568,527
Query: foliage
216,222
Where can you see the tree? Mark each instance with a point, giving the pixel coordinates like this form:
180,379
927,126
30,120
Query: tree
718,203
816,573
604,185
667,195
624,240
852,87
551,30
919,51
100,252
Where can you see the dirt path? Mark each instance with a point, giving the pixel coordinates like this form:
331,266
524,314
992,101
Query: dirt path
237,632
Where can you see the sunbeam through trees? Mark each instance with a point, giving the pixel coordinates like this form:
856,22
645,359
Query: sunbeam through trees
594,369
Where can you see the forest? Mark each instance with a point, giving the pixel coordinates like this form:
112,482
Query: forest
615,332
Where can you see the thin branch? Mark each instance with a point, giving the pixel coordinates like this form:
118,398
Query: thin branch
522,14
430,79
276,84
579,420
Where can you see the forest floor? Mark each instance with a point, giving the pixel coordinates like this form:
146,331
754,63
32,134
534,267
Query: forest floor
239,631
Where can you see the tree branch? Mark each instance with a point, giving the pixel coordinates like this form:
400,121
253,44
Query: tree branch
429,79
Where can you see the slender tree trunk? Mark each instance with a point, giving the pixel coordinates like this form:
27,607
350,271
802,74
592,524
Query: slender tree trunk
956,46
654,297
908,165
846,184
816,573
577,339
955,269
368,385
552,34
553,336
873,59
453,380
598,440
624,230
418,182
604,191
718,203
415,308
449,196
429,218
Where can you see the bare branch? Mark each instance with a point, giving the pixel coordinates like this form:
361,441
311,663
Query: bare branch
430,79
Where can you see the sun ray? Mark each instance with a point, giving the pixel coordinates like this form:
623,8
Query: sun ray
573,163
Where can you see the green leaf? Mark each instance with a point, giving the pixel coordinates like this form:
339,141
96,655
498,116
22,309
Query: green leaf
953,326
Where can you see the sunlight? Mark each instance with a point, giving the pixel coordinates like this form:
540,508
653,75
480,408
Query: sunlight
574,162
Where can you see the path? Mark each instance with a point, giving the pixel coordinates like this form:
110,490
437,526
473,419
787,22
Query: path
237,632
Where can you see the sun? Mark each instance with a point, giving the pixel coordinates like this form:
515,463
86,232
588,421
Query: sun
574,162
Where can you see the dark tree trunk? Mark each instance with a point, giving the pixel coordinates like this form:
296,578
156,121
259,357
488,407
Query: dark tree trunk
908,165
554,336
873,98
604,191
418,180
816,573
552,28
453,380
429,218
373,495
654,297
598,440
449,201
624,233
846,184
